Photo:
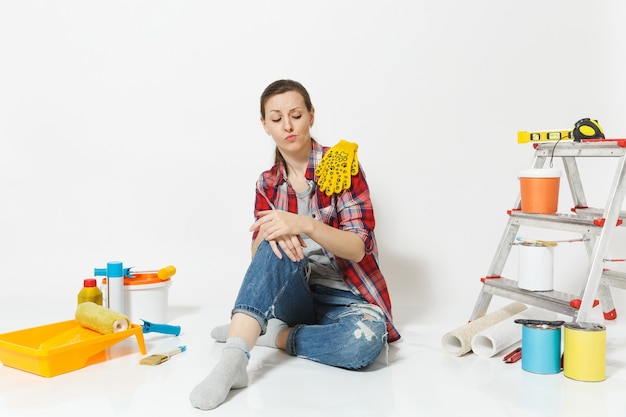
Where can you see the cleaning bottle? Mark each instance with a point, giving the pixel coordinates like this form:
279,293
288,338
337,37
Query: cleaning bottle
90,292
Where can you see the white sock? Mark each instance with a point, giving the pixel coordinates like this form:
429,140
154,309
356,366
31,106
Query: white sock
229,373
274,327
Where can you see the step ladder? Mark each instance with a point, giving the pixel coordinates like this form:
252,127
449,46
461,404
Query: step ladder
596,227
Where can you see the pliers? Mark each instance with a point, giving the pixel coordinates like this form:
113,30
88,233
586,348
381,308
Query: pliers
513,356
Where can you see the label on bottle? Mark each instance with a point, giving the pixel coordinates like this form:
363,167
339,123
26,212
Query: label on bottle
92,294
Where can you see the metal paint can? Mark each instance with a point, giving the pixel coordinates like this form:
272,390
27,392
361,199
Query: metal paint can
541,348
584,351
536,267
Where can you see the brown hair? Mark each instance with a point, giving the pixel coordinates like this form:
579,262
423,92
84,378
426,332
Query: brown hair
280,87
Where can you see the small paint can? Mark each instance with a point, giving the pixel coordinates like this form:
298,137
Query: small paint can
541,348
536,267
584,351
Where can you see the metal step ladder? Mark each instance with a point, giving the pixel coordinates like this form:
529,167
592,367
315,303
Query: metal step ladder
595,225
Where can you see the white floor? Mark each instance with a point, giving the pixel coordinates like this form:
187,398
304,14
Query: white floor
419,379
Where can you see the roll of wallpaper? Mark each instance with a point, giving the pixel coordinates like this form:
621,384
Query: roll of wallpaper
458,342
101,319
500,336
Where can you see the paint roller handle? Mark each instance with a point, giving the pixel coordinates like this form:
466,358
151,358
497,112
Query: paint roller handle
164,273
148,327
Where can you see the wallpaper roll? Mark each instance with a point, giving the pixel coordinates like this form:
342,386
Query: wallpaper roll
458,342
101,319
500,336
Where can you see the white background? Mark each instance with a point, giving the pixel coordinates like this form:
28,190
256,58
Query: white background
129,131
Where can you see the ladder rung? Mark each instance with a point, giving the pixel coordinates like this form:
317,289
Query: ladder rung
606,148
595,212
550,300
559,221
614,278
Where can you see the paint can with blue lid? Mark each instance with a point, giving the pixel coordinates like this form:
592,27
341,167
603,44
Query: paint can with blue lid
541,347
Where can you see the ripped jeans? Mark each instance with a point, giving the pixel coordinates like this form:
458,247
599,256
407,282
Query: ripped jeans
329,326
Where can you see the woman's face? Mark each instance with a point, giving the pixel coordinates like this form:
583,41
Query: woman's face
288,121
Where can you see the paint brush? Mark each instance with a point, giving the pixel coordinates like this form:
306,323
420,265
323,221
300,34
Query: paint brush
546,243
159,358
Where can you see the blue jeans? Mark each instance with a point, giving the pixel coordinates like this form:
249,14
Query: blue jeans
329,326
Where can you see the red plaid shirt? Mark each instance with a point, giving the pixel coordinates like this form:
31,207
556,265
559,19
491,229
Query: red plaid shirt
351,210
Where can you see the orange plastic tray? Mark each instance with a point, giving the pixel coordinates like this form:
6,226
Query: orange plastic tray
62,347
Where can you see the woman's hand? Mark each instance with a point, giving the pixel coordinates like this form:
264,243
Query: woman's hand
291,245
282,229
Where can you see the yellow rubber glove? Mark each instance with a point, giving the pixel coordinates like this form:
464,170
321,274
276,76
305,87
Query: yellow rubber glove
337,167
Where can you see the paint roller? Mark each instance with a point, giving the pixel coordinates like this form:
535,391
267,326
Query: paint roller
101,319
93,320
105,321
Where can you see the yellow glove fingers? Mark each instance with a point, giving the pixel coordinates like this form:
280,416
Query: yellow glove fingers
337,167
344,161
354,169
348,162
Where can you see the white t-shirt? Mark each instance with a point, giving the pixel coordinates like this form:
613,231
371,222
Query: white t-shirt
322,270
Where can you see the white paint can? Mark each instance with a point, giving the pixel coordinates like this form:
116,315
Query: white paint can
146,298
536,267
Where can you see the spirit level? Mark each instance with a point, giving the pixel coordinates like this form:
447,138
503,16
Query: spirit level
543,135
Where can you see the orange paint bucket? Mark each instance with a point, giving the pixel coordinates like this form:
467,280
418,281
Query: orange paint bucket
539,190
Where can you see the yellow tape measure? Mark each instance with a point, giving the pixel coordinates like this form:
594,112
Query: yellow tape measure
544,136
